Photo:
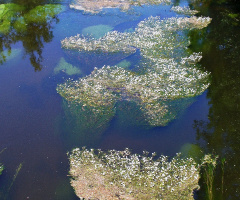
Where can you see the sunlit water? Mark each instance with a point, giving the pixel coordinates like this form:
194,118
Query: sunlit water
37,130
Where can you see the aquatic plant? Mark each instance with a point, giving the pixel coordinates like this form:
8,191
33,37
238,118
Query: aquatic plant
97,6
97,31
66,67
169,73
124,175
1,168
184,10
209,167
83,126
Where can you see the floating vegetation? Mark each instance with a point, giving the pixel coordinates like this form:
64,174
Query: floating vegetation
96,6
97,31
169,73
66,67
123,175
184,10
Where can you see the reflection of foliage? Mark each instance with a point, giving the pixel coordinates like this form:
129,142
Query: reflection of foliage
9,55
66,68
221,49
31,26
124,175
97,6
171,71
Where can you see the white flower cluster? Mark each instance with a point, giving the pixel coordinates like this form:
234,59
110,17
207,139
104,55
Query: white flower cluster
137,175
96,6
184,10
171,71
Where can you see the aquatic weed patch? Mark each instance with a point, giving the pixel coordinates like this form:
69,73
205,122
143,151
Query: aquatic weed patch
170,72
121,174
90,6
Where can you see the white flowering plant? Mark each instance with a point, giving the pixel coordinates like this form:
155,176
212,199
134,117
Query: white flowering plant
89,6
170,72
124,175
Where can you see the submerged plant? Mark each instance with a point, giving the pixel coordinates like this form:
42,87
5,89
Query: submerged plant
123,175
1,168
209,167
169,72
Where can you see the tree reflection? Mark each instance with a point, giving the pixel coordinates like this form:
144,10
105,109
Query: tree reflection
29,23
221,134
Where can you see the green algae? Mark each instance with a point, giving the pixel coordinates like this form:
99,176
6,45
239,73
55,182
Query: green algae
66,67
192,150
97,31
124,64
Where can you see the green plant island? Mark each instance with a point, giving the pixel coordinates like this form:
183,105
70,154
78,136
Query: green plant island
123,175
169,70
89,6
168,73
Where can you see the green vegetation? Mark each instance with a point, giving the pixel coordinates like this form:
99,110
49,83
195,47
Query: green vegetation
97,6
66,67
97,31
123,175
1,168
170,71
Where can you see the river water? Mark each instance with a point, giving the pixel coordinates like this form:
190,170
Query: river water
37,128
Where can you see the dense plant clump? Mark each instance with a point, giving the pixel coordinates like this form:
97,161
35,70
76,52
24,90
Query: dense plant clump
169,73
96,6
184,10
121,174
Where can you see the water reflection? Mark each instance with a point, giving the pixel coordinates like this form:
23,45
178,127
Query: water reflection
28,23
220,135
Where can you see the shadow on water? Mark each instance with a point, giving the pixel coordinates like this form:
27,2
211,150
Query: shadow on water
220,135
28,22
